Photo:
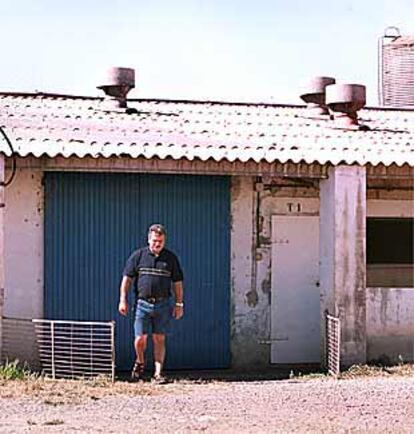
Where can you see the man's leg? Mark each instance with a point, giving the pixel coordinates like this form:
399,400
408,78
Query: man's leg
159,353
160,323
140,342
140,347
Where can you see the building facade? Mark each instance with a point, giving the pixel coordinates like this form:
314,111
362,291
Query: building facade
277,217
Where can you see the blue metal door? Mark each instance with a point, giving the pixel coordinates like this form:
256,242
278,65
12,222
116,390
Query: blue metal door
93,221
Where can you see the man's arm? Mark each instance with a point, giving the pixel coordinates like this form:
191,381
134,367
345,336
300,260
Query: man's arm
123,295
179,299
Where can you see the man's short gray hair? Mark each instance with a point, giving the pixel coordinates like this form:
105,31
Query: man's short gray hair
158,229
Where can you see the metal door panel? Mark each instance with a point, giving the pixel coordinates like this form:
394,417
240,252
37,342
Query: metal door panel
93,221
295,310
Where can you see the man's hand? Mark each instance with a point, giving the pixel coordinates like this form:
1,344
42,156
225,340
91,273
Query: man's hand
123,307
123,295
178,312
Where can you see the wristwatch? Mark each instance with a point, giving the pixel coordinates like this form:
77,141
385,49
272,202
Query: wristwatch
179,304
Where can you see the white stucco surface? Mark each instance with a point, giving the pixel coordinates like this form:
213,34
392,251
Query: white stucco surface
390,324
23,266
24,246
343,269
248,311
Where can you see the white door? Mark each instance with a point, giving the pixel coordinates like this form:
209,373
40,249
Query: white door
295,307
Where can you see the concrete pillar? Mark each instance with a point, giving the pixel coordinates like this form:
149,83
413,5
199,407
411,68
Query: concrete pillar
342,258
2,257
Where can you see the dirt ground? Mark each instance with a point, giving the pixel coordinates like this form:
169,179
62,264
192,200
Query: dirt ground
367,400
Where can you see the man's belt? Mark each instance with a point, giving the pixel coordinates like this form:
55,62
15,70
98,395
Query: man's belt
153,300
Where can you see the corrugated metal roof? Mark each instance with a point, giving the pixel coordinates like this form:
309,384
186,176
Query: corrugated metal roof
42,124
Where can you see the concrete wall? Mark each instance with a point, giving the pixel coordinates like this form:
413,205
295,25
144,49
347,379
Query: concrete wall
342,257
252,209
390,324
249,310
23,263
251,261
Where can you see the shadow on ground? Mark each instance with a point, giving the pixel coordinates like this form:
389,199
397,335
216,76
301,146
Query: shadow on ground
230,375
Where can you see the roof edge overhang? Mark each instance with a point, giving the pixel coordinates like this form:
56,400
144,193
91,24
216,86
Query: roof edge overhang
171,165
197,166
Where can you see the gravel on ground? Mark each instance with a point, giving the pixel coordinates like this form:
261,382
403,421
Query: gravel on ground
310,404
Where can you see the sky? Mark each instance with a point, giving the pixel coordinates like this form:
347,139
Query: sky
227,50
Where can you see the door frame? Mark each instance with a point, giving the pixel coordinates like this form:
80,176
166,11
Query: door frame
291,207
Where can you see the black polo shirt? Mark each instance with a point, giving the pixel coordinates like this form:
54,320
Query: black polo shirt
153,274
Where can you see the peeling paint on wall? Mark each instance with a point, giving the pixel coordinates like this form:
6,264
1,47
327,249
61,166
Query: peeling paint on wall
383,305
264,241
252,298
341,275
390,324
360,264
267,283
24,243
249,318
252,210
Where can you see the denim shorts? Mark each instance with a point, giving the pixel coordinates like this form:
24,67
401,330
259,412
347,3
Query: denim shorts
152,317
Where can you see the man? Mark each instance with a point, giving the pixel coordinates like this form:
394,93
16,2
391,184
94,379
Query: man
156,271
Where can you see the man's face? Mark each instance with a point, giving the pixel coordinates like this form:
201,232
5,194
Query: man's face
156,242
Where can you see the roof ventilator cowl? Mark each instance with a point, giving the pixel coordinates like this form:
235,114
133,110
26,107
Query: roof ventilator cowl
345,100
117,82
314,95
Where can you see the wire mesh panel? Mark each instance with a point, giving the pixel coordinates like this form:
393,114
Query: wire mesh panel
333,344
76,349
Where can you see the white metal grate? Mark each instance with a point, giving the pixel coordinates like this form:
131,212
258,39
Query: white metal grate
333,344
76,349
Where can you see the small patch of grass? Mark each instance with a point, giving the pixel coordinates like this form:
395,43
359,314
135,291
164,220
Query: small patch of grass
73,392
406,369
314,376
356,371
359,371
99,381
14,371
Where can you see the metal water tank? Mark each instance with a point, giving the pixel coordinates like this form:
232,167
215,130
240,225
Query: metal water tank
396,69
